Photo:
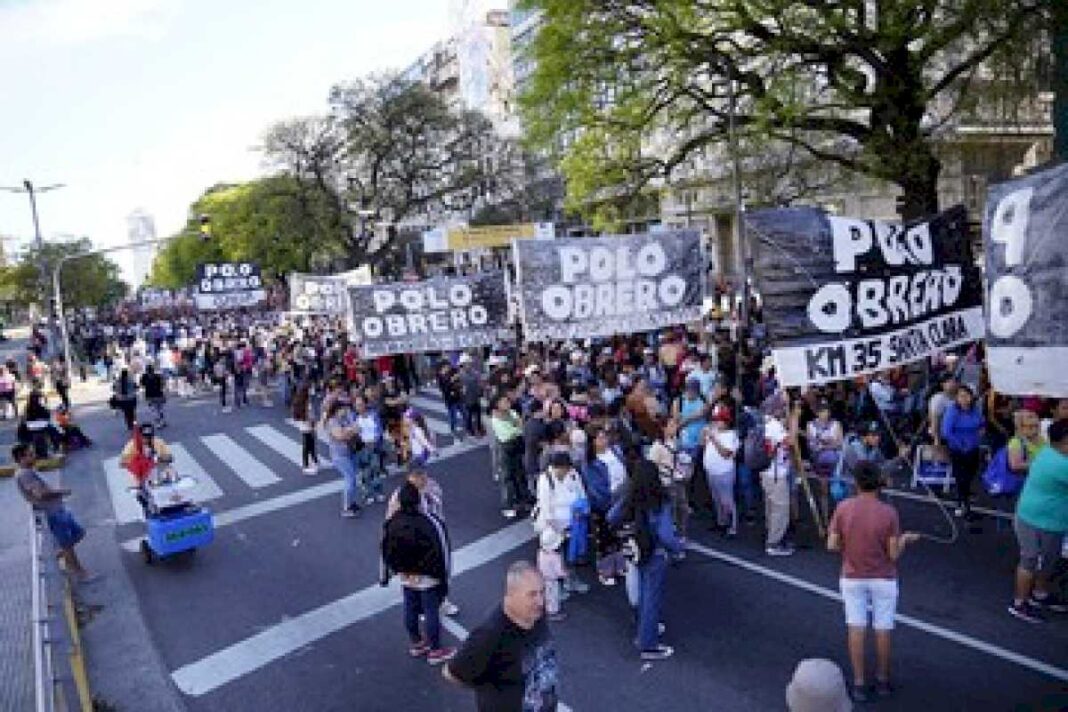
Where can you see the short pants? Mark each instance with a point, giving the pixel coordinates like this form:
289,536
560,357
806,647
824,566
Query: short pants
65,529
1039,548
880,595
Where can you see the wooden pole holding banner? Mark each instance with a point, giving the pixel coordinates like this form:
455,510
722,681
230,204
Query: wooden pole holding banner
799,466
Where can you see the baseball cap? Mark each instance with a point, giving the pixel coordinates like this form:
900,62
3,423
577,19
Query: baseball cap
869,428
560,458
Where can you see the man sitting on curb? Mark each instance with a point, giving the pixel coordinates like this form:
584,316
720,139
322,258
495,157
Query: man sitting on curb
49,501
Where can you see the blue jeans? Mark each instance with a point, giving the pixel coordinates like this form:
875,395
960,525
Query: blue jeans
456,416
651,576
746,488
369,463
351,496
428,604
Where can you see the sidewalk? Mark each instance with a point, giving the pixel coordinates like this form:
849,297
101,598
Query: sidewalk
16,639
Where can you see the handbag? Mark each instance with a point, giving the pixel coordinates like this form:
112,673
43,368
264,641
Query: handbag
356,443
998,479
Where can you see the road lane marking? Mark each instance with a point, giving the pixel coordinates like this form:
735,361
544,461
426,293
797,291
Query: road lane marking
248,655
205,489
123,501
935,630
287,448
318,431
426,404
253,472
461,633
284,501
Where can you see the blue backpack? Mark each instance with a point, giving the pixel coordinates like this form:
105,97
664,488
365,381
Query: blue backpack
598,487
998,479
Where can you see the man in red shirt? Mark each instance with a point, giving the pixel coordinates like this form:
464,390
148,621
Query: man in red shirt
867,532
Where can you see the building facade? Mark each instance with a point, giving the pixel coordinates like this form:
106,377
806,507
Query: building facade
140,226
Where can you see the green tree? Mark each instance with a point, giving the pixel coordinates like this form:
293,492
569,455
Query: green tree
88,281
273,221
639,87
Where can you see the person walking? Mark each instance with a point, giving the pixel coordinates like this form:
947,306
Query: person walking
344,437
648,507
868,534
304,416
962,426
415,545
1041,527
124,393
510,660
508,432
721,446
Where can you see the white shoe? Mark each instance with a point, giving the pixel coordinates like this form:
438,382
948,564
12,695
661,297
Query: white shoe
508,513
449,608
311,470
227,409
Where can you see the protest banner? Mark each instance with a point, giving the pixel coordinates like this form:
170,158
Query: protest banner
599,286
439,314
844,297
318,294
228,285
1025,236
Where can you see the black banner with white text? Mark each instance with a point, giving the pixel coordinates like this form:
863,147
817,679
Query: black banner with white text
599,286
228,285
439,314
1025,236
844,297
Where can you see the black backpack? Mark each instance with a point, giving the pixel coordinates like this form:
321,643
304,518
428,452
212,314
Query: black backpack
754,450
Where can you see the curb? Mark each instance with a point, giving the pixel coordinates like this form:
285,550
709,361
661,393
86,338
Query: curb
77,661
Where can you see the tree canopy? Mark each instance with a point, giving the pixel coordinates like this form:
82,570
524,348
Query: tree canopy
637,88
88,281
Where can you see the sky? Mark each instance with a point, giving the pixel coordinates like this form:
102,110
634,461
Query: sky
145,103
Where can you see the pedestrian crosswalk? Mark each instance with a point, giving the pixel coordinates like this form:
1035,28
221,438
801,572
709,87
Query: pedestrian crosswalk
251,457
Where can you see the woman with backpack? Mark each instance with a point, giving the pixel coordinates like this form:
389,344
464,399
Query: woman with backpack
648,507
605,479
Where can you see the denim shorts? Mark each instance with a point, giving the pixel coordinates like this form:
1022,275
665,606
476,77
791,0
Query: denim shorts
65,529
878,595
1039,548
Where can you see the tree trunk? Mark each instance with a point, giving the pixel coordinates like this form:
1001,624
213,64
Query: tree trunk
920,185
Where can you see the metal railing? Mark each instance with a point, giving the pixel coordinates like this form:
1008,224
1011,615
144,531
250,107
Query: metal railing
55,687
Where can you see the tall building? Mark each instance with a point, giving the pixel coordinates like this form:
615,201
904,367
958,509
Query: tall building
140,226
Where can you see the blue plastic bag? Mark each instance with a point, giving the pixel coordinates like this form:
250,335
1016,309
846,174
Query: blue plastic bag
998,479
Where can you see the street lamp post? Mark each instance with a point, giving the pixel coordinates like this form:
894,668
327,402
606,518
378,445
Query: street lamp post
31,190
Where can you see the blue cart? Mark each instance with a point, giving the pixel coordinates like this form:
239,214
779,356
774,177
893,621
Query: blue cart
175,524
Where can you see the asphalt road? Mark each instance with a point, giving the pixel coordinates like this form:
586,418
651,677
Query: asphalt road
283,610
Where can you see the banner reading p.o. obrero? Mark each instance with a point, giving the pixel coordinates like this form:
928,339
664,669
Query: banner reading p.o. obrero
599,286
844,297
439,314
318,294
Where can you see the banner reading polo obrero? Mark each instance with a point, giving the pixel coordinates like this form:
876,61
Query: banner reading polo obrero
599,286
318,294
1025,233
228,285
844,297
439,314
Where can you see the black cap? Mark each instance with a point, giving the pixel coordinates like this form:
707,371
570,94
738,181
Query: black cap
870,428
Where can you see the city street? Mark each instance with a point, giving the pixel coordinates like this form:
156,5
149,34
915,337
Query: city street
283,611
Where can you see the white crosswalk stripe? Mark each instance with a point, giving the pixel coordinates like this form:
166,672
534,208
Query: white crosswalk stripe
206,489
286,447
122,499
254,473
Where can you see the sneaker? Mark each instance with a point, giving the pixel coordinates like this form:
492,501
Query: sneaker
731,533
779,550
660,652
959,512
418,650
310,470
351,512
380,498
508,513
883,689
449,608
661,629
226,409
437,657
1026,612
1050,603
607,580
861,693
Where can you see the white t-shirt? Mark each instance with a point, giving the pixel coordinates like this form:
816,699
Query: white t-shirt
716,464
775,433
617,471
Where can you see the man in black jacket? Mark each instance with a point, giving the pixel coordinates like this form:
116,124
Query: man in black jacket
415,545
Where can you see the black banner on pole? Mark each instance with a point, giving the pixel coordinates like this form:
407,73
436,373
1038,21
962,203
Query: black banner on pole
844,297
228,285
439,314
586,287
1025,236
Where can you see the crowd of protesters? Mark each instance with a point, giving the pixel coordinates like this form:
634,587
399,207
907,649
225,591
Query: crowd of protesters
611,445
